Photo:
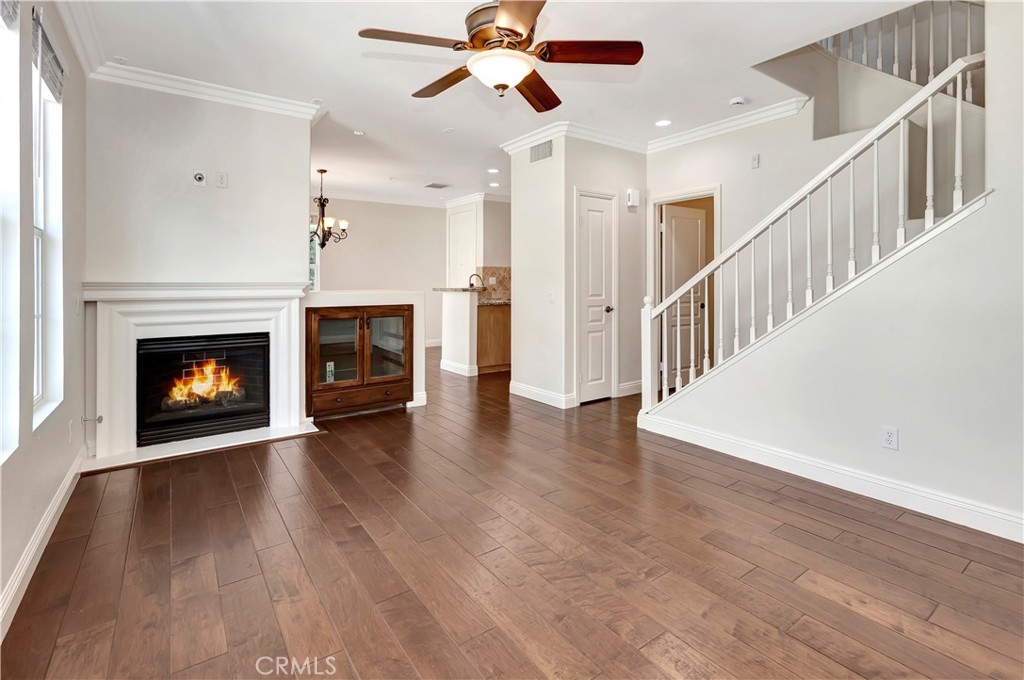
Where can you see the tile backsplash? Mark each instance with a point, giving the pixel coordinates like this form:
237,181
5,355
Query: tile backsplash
501,289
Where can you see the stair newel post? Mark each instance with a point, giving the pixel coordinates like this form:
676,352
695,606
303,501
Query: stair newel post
949,42
665,318
707,331
931,41
851,268
901,214
809,292
679,345
970,91
876,248
878,47
913,44
770,321
736,304
864,46
693,341
929,183
896,44
789,265
958,146
720,310
753,289
830,279
648,356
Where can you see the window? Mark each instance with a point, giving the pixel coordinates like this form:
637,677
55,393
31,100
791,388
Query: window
47,211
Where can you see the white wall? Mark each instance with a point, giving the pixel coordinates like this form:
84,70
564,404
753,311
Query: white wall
539,278
931,345
496,244
389,246
543,264
147,223
31,477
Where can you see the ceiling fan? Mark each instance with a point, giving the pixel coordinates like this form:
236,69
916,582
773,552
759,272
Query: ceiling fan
500,33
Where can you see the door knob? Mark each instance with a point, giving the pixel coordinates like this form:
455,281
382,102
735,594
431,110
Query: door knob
609,309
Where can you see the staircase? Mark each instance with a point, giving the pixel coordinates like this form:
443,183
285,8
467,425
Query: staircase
918,42
863,208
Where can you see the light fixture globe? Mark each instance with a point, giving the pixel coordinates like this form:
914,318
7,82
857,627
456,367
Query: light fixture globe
500,68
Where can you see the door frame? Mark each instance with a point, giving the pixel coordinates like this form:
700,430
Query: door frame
577,308
653,268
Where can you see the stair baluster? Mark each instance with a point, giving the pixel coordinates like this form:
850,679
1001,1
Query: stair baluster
851,267
753,288
958,145
876,249
770,320
929,182
789,265
679,349
901,199
693,344
809,293
913,44
830,279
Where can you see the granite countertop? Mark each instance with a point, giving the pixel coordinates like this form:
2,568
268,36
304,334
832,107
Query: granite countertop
489,302
475,289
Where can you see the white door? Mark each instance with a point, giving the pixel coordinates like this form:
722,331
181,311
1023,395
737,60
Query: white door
595,301
682,256
461,247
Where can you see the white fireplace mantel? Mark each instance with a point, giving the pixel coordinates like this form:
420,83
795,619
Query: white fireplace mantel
127,312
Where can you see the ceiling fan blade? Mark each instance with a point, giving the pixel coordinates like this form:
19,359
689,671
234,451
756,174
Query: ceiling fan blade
443,83
536,91
626,52
415,39
518,15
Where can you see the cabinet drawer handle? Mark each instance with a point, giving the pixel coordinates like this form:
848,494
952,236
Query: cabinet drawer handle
387,393
337,400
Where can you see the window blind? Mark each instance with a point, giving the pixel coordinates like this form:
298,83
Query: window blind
45,57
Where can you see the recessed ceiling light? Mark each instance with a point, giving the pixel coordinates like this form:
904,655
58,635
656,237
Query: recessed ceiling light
663,123
448,129
494,184
493,171
358,132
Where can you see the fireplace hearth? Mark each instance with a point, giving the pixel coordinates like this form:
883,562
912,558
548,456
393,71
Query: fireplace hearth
196,386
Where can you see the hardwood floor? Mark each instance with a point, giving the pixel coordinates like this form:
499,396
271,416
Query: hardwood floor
489,536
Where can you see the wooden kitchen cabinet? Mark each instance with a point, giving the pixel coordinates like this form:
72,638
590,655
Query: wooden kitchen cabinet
493,338
357,358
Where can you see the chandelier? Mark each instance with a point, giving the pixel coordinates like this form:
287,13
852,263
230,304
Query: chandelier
323,229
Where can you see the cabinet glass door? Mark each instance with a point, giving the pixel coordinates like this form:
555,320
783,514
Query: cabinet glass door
386,351
338,360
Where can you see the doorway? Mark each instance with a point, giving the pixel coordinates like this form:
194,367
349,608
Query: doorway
686,240
595,286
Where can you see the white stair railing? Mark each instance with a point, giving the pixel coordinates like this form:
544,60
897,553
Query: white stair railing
664,337
916,42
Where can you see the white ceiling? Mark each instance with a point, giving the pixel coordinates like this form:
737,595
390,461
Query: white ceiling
697,56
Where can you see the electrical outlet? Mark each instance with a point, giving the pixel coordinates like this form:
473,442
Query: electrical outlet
891,438
491,280
755,161
222,180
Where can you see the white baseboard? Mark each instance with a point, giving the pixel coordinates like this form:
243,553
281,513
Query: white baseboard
29,560
432,343
418,399
461,369
956,509
627,388
562,401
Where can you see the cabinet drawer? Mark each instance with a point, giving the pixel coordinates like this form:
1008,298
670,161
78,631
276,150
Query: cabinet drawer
355,398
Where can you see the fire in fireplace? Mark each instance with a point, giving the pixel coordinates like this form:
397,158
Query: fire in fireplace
202,385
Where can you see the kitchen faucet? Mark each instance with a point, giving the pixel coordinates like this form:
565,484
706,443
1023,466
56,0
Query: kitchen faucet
477,276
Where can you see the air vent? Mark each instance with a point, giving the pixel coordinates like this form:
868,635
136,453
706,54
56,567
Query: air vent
539,152
437,185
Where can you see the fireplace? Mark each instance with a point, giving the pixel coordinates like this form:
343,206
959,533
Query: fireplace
196,386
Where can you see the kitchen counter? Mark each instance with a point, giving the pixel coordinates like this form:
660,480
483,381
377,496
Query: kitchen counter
475,289
492,302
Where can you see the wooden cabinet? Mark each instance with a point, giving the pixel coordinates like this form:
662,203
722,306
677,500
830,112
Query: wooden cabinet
493,338
357,358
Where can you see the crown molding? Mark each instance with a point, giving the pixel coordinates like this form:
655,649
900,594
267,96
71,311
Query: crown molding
480,197
83,34
405,201
186,87
576,131
765,114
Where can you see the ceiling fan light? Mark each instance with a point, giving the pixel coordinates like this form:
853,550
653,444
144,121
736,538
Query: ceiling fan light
500,68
